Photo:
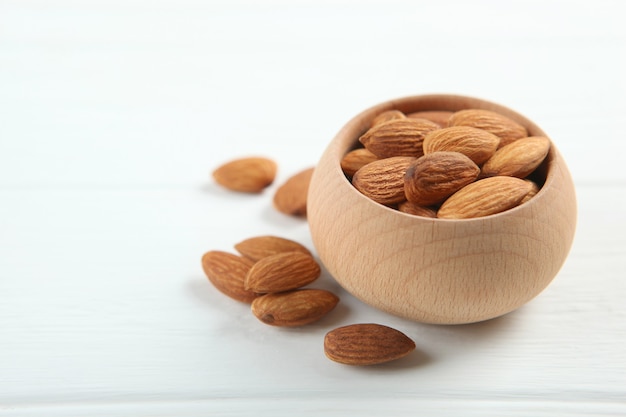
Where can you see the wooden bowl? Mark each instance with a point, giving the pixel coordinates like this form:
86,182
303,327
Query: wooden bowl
437,270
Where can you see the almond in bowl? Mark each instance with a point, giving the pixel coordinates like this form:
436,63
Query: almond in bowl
504,224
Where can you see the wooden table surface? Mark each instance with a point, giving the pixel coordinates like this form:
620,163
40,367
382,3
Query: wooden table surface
114,113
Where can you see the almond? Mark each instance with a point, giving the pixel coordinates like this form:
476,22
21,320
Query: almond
282,272
417,210
505,128
249,175
387,116
291,197
227,272
383,180
355,159
484,197
477,144
294,308
435,176
256,248
519,158
534,189
437,116
366,344
402,137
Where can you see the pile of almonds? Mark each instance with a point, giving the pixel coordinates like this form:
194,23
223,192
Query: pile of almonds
450,165
270,273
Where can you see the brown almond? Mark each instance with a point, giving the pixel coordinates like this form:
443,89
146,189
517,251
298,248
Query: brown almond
477,144
387,116
484,197
383,180
366,344
249,175
355,160
294,308
282,272
436,176
402,137
291,197
227,272
417,210
534,189
519,158
259,247
437,116
502,126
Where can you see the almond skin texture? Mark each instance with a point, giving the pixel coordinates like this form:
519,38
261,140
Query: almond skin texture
291,197
437,116
505,128
366,344
388,116
519,158
249,175
477,144
402,137
484,197
282,272
256,248
436,176
294,308
355,160
534,189
227,272
383,180
416,210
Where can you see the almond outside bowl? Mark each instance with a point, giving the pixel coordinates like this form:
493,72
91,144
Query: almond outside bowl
437,270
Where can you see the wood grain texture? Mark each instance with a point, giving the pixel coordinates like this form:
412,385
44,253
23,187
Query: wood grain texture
434,270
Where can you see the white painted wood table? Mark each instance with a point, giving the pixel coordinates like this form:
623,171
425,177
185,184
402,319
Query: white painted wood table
113,114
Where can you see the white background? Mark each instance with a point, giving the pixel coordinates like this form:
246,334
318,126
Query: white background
114,113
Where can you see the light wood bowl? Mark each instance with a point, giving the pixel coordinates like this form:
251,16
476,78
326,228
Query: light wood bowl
436,270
